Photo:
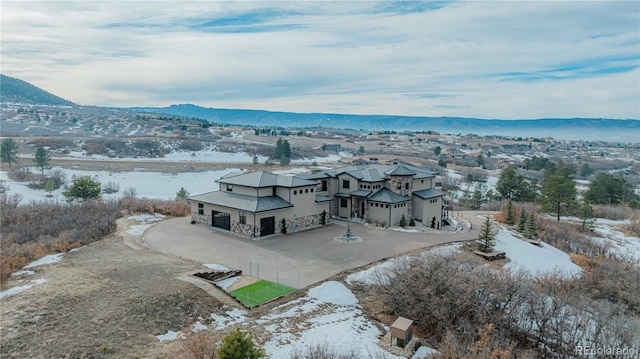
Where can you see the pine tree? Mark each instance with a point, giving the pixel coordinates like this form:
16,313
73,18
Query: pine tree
522,221
83,188
486,239
239,345
9,151
509,216
531,231
403,221
587,215
182,193
42,159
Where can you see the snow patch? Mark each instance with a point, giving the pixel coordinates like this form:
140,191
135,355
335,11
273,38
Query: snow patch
170,335
539,261
21,288
216,267
423,352
226,283
48,259
334,293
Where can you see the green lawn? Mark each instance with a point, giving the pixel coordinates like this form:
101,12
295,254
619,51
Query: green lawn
260,292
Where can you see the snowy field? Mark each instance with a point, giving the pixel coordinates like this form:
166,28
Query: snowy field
147,184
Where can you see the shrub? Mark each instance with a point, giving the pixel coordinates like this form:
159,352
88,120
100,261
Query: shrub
110,187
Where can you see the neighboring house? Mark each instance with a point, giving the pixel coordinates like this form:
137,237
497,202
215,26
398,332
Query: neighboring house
258,204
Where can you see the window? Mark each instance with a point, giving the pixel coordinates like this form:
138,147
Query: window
399,186
386,206
343,202
406,185
306,190
324,185
200,208
421,181
243,217
295,192
312,190
229,187
345,183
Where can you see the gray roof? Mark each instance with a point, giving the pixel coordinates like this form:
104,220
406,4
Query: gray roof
242,201
262,179
361,193
317,175
378,172
321,198
401,170
386,195
428,193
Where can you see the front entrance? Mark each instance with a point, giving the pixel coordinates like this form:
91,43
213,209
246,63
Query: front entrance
267,226
221,220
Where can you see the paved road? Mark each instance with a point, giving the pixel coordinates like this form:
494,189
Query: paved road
298,259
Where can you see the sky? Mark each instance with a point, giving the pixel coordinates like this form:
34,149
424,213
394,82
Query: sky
483,59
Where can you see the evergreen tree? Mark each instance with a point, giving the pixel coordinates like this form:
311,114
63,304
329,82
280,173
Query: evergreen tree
403,221
437,151
558,190
42,159
49,186
412,222
522,221
509,216
182,194
587,215
9,151
255,159
239,345
284,160
83,188
486,239
531,231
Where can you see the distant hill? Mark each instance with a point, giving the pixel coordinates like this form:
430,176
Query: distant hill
575,128
16,90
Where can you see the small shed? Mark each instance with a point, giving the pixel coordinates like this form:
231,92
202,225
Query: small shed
401,331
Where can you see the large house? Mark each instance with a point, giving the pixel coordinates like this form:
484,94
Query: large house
259,204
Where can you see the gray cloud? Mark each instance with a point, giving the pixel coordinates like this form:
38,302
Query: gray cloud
475,59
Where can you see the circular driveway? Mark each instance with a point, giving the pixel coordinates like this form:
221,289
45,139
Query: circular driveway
299,259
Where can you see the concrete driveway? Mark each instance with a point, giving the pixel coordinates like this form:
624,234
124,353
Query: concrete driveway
297,260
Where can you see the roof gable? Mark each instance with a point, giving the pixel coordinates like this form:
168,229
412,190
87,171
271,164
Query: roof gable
386,195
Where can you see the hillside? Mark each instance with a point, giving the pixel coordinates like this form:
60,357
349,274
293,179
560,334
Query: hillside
16,90
573,129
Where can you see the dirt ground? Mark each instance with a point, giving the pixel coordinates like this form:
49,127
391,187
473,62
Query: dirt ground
108,299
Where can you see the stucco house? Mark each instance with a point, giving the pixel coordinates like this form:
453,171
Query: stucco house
259,204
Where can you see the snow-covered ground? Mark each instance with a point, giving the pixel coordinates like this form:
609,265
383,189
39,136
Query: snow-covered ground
147,184
48,259
328,315
536,260
618,242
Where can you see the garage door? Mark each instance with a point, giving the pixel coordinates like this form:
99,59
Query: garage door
267,226
221,220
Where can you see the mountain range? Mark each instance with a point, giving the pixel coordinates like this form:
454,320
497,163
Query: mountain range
589,129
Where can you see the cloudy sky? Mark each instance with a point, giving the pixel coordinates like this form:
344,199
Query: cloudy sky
486,59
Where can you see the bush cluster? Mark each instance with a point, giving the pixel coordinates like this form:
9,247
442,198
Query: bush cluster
32,230
463,306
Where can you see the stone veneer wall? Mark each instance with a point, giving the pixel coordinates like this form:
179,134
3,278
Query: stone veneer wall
201,218
244,230
301,223
248,230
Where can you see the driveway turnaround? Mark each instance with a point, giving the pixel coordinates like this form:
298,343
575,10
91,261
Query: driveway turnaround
299,259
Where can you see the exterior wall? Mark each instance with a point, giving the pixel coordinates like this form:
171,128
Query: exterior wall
353,184
240,189
423,183
430,208
265,191
397,210
378,215
342,211
303,200
418,207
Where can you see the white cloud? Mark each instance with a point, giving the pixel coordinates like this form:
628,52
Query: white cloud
474,59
